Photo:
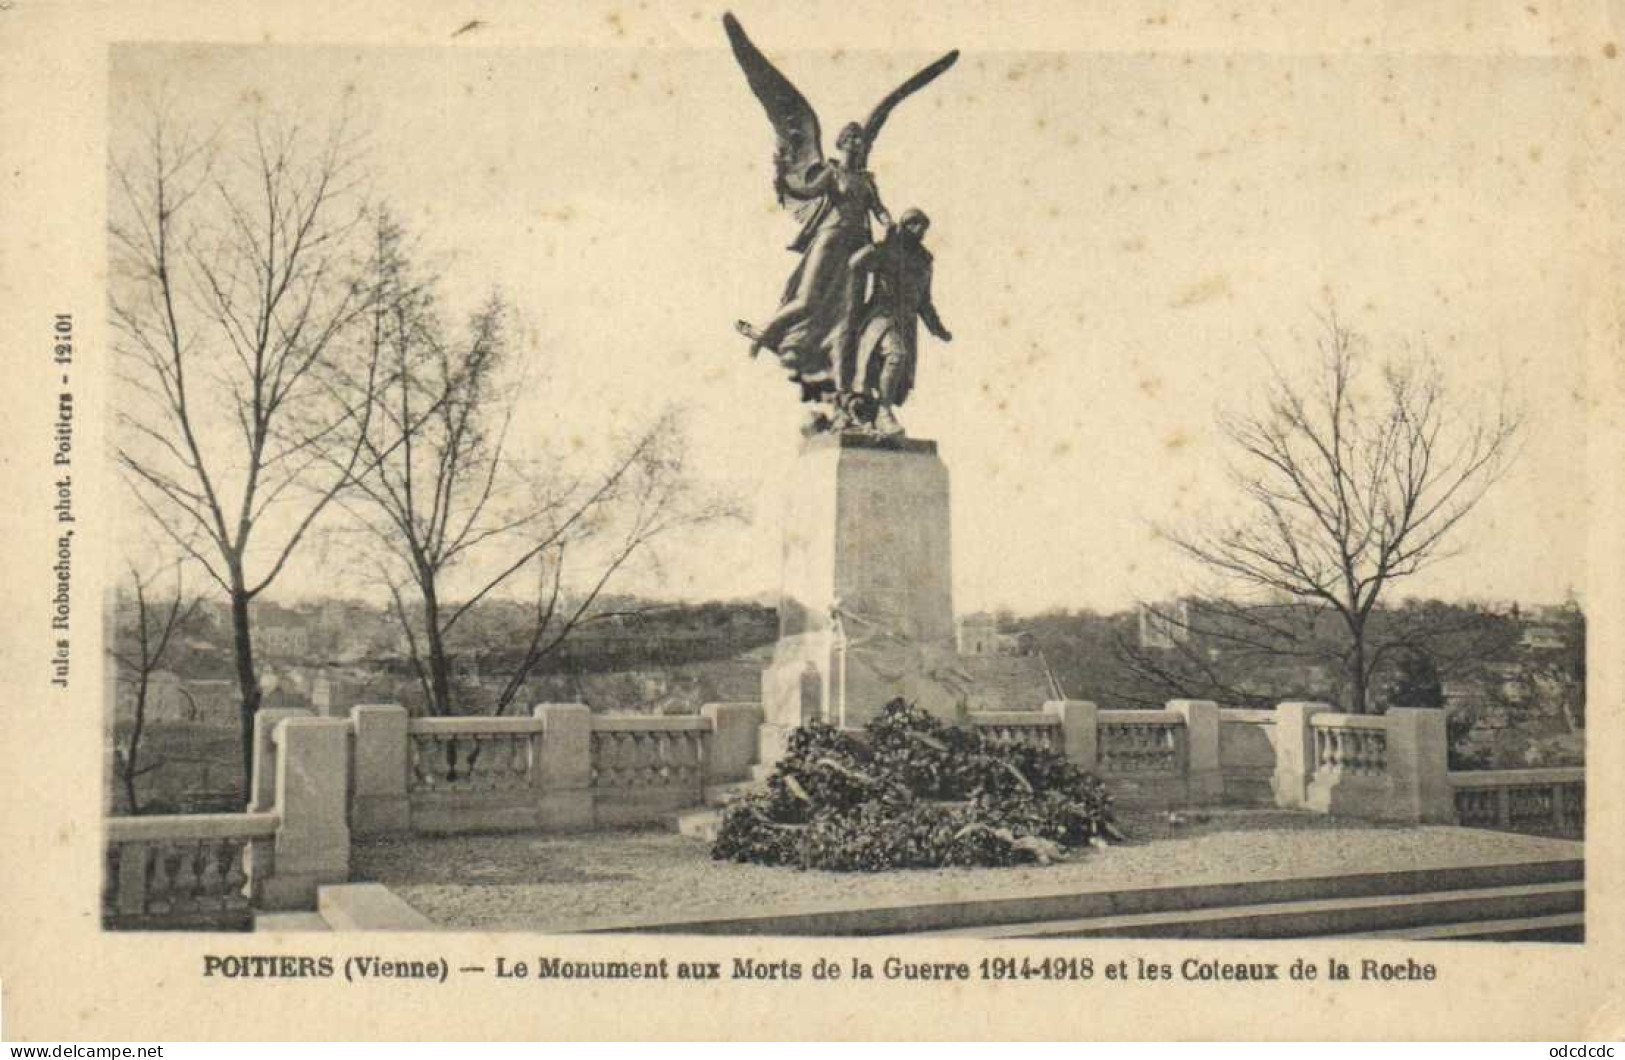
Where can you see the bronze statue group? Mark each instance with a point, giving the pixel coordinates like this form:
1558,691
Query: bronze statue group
846,328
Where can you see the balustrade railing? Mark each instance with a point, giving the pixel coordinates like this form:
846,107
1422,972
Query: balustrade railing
185,872
644,752
471,755
1141,741
1350,744
1522,800
1021,728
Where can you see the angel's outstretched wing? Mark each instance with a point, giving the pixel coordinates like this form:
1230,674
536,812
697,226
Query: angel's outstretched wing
799,150
877,117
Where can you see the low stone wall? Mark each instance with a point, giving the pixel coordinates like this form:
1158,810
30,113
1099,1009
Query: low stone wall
1389,767
1300,755
186,871
563,768
210,871
1144,756
1545,801
1147,757
1247,756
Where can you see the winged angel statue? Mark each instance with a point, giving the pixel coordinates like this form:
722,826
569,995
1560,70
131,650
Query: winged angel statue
814,334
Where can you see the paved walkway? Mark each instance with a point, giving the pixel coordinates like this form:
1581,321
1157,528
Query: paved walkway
561,882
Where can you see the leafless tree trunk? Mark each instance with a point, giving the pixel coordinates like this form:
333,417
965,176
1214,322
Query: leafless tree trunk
155,625
1352,484
232,291
437,488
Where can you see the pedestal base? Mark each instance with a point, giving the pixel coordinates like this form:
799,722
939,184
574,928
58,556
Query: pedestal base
824,677
866,605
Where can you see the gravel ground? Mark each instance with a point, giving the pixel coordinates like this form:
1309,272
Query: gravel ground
532,882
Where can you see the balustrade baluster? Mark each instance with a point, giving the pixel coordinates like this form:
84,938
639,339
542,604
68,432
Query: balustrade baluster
211,874
521,759
235,880
632,764
132,881
161,873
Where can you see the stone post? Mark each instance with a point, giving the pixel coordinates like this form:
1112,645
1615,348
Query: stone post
866,534
564,767
1419,766
380,805
312,839
1294,753
733,740
262,786
1204,783
1079,730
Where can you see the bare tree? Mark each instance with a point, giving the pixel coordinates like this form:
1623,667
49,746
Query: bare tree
437,488
232,289
155,624
1352,485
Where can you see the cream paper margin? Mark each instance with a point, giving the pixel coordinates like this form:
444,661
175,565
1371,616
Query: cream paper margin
64,979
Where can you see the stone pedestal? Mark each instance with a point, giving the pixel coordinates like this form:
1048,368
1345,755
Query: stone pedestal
866,606
312,845
378,804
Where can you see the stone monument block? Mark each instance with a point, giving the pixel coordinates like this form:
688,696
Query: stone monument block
866,605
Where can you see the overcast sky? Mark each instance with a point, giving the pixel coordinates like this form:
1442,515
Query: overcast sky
1120,241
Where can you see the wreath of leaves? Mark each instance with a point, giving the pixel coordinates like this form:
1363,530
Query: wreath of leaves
908,791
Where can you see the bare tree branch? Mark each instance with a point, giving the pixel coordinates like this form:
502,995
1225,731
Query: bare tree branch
1351,488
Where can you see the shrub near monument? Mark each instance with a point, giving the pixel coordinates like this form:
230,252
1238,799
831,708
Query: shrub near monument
908,791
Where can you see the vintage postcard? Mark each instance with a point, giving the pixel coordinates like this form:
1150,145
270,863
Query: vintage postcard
812,521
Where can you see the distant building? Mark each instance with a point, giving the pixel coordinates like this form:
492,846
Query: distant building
979,635
976,634
281,639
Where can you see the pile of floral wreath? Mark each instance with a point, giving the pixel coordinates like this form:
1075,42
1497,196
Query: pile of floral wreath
909,792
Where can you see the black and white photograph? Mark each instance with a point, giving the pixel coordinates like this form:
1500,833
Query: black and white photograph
1066,503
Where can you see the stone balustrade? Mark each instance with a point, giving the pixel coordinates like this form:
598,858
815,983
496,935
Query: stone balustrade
1141,741
644,767
562,768
471,754
1157,757
186,871
639,752
1022,728
211,871
1386,767
1350,743
317,781
1548,801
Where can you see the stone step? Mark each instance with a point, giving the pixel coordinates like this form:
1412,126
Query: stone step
723,794
290,922
697,824
368,907
1205,898
702,822
1335,916
1554,927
